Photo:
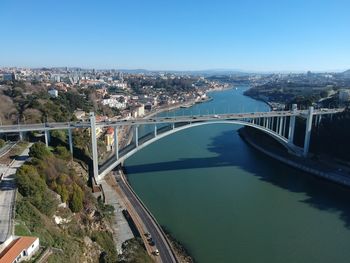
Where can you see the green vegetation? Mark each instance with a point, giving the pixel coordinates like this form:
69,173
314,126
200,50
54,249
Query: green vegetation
2,143
133,251
42,181
39,151
105,240
33,187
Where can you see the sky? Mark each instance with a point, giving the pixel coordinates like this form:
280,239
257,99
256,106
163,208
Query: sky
247,35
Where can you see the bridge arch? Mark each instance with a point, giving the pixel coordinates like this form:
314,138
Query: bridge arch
105,169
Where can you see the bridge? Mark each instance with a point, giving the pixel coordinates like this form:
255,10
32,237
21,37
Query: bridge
280,125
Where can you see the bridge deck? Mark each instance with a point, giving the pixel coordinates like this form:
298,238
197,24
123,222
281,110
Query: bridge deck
159,120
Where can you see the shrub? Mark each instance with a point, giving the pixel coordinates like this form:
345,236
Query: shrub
39,151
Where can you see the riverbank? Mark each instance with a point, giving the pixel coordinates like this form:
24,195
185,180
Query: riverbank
308,165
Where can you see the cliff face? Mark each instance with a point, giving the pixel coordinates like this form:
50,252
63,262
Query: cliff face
55,204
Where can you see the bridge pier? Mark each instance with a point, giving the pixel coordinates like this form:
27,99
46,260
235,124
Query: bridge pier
280,125
47,137
155,130
136,135
284,126
292,125
116,142
173,126
21,136
94,144
319,120
308,131
273,123
70,141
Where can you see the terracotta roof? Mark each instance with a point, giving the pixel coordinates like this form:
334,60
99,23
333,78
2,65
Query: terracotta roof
15,248
110,130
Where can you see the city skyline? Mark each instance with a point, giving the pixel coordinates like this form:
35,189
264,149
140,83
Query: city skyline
243,36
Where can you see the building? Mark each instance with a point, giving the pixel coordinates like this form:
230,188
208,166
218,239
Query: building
140,110
18,249
80,115
109,138
344,95
53,93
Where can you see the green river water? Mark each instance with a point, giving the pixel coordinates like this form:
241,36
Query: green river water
226,202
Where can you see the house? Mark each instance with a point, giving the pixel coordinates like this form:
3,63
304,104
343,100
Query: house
53,93
79,114
18,249
109,138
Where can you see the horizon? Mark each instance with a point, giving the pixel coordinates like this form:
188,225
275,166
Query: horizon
245,36
219,70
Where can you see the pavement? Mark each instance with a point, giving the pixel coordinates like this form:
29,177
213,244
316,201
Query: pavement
8,194
121,229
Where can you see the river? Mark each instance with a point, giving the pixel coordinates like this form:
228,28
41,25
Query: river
226,202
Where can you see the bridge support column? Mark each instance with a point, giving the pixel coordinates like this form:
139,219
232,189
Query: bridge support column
280,125
47,137
136,135
308,131
267,123
21,136
173,126
264,122
319,120
272,123
70,141
116,142
155,130
292,125
284,120
94,145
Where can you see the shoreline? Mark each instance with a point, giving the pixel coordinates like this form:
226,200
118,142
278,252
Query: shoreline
259,99
309,166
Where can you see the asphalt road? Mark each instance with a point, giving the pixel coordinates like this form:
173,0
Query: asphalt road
7,195
161,244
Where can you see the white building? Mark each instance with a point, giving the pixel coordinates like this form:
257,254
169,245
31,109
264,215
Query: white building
17,249
53,93
114,103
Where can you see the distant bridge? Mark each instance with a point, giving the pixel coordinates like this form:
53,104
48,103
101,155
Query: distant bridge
280,125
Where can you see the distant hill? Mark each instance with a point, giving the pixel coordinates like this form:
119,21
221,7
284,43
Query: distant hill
346,73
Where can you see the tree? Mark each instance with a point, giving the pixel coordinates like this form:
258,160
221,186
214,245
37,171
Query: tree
63,153
39,151
2,143
76,203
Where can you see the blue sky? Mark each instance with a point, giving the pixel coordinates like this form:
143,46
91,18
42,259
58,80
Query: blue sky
248,35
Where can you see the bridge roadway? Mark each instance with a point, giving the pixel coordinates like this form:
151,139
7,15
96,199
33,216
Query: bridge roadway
159,120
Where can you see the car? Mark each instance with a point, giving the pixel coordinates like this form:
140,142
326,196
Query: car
156,252
151,243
